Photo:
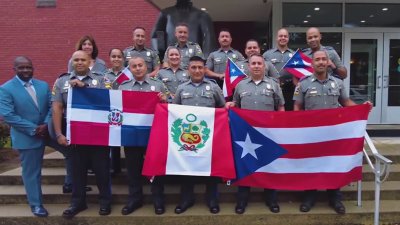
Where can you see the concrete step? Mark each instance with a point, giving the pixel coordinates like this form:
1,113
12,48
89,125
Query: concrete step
383,130
15,194
56,176
256,214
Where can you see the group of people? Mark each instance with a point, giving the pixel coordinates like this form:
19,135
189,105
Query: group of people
185,78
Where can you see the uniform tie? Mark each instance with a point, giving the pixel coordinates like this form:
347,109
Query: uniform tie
28,87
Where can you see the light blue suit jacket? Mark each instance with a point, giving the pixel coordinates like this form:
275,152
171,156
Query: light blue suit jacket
20,111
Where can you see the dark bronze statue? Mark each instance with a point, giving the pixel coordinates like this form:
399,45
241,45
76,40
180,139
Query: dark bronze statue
201,29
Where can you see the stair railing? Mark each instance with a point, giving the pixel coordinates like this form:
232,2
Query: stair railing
381,170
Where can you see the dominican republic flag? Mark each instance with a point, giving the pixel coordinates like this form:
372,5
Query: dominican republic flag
189,140
316,149
233,75
124,76
299,65
109,117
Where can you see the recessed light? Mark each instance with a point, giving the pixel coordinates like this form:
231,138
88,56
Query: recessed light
362,21
370,16
316,9
204,9
308,16
305,21
385,9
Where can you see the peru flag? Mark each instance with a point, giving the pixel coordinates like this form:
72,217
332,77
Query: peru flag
109,117
189,140
316,149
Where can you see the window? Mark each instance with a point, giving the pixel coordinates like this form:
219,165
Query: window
312,14
372,15
46,3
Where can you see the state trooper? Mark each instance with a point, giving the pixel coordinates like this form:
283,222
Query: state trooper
335,64
217,60
278,57
253,47
199,91
321,91
138,49
82,156
186,47
173,75
258,92
134,155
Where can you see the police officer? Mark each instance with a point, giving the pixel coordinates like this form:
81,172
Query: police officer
321,91
173,75
117,61
134,155
258,92
335,65
138,49
253,47
278,57
198,91
186,47
82,156
216,61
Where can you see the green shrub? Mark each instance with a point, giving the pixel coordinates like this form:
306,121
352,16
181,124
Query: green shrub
4,133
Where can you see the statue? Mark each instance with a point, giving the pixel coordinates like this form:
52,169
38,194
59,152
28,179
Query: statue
201,29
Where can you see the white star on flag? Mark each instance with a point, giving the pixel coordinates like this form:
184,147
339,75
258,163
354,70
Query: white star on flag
248,147
233,70
295,63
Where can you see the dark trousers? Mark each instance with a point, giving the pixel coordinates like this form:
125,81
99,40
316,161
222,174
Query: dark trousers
288,91
116,159
157,190
333,195
97,158
243,194
134,164
187,188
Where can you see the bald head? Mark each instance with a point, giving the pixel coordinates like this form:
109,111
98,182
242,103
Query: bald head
80,62
20,59
313,38
23,68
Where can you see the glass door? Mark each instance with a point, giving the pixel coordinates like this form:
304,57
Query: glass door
363,60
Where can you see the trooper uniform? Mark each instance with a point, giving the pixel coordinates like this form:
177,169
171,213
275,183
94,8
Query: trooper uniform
134,155
150,57
315,94
217,60
269,71
187,51
172,80
109,78
277,60
85,156
267,96
332,54
206,94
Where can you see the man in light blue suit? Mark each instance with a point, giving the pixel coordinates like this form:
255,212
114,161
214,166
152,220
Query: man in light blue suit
25,105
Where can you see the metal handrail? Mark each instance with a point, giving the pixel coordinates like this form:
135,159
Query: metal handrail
380,169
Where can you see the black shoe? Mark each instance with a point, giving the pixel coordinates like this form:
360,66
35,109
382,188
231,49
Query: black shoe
213,206
73,210
182,207
306,206
240,207
159,209
273,206
87,188
105,210
130,207
338,206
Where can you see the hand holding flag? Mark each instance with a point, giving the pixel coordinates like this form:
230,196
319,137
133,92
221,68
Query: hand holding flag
233,75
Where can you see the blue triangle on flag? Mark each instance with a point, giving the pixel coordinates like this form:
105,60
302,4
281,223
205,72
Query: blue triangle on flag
296,61
267,151
234,70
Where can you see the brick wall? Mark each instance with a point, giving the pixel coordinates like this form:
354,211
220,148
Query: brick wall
48,35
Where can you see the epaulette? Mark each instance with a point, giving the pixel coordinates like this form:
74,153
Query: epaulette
97,73
154,78
303,78
128,48
211,80
64,74
305,49
329,48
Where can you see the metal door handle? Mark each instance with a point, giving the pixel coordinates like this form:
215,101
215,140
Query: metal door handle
379,82
385,81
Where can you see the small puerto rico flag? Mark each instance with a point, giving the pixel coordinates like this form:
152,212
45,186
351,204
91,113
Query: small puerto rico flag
189,140
109,117
299,65
233,75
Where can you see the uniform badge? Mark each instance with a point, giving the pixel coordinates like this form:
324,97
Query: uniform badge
290,55
190,50
128,56
269,86
217,59
234,56
333,85
208,88
297,91
165,79
148,53
152,88
273,60
66,84
184,74
94,82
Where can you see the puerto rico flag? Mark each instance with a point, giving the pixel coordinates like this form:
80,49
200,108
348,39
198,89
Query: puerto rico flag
109,117
233,75
124,76
316,149
299,65
189,140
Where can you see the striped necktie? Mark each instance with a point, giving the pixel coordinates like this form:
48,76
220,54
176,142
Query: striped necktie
29,89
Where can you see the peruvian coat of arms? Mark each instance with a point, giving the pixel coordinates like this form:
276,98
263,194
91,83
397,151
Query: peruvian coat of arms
190,135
